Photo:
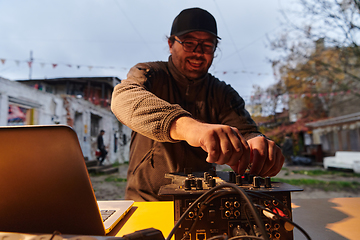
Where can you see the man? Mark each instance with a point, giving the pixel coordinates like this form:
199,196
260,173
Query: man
288,150
183,117
101,147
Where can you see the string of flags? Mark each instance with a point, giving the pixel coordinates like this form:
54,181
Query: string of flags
30,64
236,72
54,65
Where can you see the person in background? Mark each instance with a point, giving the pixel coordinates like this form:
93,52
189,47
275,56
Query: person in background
101,147
288,150
183,117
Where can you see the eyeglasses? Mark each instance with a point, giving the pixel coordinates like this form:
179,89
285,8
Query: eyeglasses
191,45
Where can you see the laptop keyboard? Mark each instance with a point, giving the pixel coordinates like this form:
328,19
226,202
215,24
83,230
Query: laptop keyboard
105,214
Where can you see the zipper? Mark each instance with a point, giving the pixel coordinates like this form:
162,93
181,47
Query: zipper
188,87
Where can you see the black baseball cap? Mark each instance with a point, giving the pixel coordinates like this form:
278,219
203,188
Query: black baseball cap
194,19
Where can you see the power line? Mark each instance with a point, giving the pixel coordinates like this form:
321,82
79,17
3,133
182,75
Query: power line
251,43
135,29
232,40
227,29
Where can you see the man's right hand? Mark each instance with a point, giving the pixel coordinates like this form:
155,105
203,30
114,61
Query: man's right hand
224,144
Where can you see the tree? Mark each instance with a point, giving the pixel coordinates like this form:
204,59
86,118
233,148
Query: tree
319,60
268,100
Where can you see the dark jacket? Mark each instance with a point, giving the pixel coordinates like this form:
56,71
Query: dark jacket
153,95
100,142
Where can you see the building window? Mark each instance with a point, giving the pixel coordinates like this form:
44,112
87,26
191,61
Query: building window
20,115
344,140
354,140
95,125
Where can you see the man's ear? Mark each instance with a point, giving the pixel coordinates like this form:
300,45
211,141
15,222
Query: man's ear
170,46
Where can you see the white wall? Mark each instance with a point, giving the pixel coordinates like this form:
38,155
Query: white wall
62,109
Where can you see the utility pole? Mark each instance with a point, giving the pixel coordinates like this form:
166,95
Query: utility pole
30,64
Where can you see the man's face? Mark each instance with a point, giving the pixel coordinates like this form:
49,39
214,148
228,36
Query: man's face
193,64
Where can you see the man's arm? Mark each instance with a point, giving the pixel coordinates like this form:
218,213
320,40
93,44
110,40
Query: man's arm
141,110
224,144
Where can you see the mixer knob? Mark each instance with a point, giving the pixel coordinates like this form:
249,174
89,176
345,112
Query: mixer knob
231,177
212,182
206,177
199,184
238,180
256,181
246,177
267,182
187,184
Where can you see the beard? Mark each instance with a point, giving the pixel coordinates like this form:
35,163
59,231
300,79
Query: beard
195,67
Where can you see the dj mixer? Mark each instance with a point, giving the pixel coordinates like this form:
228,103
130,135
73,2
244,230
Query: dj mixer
210,204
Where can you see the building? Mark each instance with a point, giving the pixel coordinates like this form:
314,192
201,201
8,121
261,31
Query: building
82,103
337,134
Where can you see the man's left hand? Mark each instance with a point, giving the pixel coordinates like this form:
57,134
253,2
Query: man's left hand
265,156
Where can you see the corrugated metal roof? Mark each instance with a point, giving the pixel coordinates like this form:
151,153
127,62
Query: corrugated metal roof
336,120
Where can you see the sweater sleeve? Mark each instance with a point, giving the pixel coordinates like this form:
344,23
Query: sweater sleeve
137,107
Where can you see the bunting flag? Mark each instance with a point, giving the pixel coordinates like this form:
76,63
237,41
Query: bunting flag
78,66
54,65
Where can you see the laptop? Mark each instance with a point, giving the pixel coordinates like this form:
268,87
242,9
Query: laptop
45,186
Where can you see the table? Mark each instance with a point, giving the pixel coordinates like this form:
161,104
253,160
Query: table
158,215
323,219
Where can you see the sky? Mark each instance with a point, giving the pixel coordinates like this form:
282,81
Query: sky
94,38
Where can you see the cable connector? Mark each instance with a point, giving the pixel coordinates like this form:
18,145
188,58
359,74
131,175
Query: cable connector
268,214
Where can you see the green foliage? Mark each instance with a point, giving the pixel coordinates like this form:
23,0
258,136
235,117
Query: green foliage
319,184
115,179
117,164
319,172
